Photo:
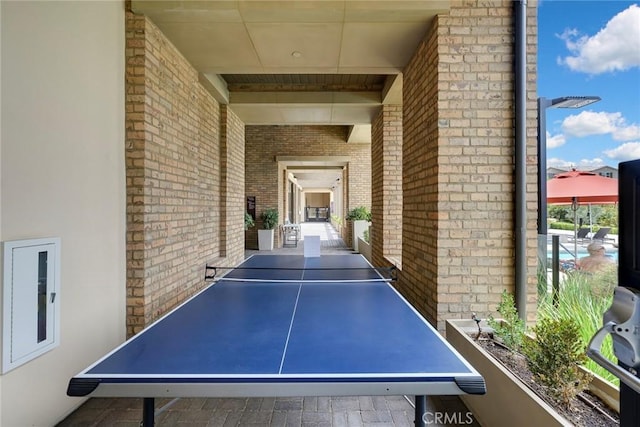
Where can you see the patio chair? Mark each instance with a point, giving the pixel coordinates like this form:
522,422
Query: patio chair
582,234
601,234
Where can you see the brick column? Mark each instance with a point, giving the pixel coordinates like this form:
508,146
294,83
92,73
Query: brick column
458,237
386,186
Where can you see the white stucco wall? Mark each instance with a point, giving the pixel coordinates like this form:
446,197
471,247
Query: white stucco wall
63,175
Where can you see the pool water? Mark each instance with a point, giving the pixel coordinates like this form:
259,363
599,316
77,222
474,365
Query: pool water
582,252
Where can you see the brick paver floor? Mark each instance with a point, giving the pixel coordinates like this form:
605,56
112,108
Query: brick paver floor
342,411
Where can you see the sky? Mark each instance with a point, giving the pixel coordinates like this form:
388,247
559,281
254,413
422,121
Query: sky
590,48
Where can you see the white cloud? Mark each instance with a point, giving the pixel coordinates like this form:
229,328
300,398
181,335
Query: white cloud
555,141
591,123
626,133
590,164
626,151
616,47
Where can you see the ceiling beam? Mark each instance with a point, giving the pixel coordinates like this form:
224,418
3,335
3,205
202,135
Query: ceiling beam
359,134
296,98
392,90
216,86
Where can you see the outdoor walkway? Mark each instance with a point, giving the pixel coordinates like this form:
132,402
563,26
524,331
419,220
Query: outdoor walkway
347,411
330,241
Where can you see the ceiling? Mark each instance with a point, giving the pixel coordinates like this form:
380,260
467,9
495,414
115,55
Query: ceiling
305,62
319,179
315,172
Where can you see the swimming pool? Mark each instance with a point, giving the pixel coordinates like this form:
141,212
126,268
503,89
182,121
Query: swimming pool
582,252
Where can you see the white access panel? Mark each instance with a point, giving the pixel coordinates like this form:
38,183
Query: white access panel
31,300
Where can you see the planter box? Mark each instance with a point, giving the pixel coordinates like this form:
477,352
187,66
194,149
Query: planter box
503,386
607,392
265,240
364,248
508,401
359,227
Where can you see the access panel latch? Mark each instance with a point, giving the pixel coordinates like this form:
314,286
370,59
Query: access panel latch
622,321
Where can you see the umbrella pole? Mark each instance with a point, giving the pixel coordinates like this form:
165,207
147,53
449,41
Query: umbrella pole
574,207
575,243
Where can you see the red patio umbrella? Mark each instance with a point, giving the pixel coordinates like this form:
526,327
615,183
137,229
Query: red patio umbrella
581,187
586,187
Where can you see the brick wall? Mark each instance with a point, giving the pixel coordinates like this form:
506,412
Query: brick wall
263,178
232,155
178,204
386,186
458,179
184,173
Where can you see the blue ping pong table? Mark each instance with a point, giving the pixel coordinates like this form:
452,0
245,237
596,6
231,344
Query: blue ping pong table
286,325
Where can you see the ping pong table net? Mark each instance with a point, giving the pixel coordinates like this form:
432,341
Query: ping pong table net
382,274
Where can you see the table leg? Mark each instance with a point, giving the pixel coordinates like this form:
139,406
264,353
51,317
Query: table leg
148,412
421,409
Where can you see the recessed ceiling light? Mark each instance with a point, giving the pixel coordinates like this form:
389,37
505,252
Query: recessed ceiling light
296,54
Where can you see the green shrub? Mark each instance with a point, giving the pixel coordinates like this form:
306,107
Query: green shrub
558,225
601,216
560,213
584,298
359,213
609,217
542,283
248,221
554,357
511,331
366,236
269,218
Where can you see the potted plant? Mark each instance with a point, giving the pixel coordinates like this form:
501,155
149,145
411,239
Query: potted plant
248,221
361,218
337,222
269,219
